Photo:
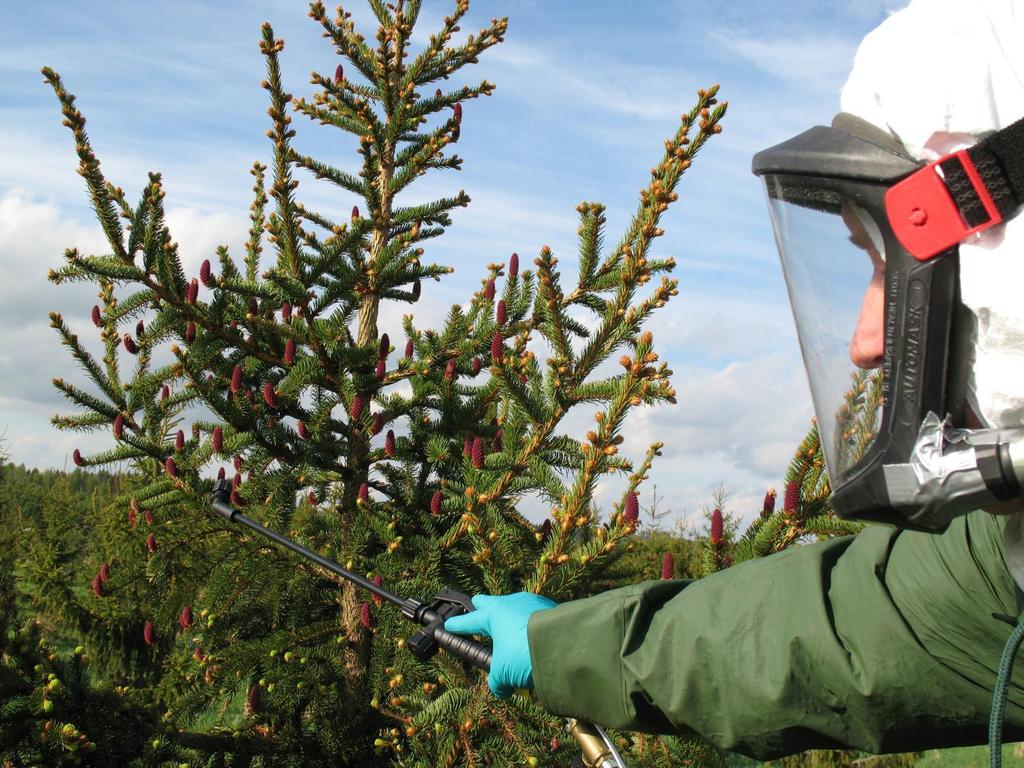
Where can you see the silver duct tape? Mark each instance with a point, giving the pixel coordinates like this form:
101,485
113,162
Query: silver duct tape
942,478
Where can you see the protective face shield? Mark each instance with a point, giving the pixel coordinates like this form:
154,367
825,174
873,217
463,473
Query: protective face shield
868,239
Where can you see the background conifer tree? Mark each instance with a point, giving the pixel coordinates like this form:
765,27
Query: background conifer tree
404,458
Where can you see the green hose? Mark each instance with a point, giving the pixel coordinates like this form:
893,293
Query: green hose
995,722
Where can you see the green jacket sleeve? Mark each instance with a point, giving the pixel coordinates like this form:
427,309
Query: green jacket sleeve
884,641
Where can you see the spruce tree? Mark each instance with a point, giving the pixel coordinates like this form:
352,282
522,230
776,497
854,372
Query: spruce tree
402,456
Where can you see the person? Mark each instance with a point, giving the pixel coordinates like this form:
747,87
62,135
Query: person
889,640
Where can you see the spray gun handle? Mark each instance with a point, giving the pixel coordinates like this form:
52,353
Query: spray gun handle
433,635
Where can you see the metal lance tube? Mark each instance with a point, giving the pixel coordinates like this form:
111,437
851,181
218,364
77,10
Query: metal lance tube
598,750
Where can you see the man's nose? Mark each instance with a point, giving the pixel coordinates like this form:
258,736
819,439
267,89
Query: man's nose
867,347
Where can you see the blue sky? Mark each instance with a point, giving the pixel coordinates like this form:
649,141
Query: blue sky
586,94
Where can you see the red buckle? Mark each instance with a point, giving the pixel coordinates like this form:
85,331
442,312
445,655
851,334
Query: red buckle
923,214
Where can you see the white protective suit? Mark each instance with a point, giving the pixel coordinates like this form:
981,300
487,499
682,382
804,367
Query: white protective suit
939,75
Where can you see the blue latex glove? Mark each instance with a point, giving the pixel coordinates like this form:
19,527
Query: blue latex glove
503,619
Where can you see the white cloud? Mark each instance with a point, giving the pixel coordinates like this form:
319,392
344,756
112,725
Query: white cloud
820,62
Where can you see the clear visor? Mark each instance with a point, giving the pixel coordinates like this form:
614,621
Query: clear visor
833,258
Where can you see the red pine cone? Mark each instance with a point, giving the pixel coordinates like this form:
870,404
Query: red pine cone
165,392
717,527
437,94
475,366
416,288
311,498
252,699
221,473
133,517
118,425
236,378
497,441
339,75
457,110
409,350
97,586
140,328
478,453
435,503
179,440
185,618
500,313
129,345
513,265
792,500
365,617
190,332
192,292
286,312
489,290
236,462
147,514
236,481
769,503
149,633
385,346
104,573
269,395
151,543
449,370
496,348
303,430
96,319
668,566
389,444
381,369
378,424
467,444
355,212
171,467
198,655
364,492
378,580
289,351
204,273
356,410
632,513
545,532
236,498
218,439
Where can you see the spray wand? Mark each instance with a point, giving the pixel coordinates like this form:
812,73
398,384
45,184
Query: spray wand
597,749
